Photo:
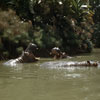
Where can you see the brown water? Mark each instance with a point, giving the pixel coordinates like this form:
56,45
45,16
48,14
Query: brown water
34,82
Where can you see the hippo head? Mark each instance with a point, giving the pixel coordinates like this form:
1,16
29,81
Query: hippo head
31,48
55,51
28,54
91,63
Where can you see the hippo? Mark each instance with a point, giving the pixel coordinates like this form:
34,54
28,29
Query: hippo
65,64
27,56
84,63
56,52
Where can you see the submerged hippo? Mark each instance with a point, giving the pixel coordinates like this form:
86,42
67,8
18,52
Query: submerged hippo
26,57
56,52
65,64
84,63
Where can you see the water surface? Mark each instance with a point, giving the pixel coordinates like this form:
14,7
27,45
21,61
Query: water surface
35,82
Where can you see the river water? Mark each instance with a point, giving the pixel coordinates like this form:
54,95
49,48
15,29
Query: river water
35,82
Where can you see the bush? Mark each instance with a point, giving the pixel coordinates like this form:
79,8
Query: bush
96,35
14,33
47,23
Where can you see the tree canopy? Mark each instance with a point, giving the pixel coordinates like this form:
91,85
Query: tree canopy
48,23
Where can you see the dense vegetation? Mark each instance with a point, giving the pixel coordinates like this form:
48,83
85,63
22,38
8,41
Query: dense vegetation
48,23
95,6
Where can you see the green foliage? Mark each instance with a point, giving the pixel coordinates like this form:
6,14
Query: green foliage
95,6
46,38
76,7
47,23
19,50
13,33
96,35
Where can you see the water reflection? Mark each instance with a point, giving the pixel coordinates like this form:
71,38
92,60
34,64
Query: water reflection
19,71
47,70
